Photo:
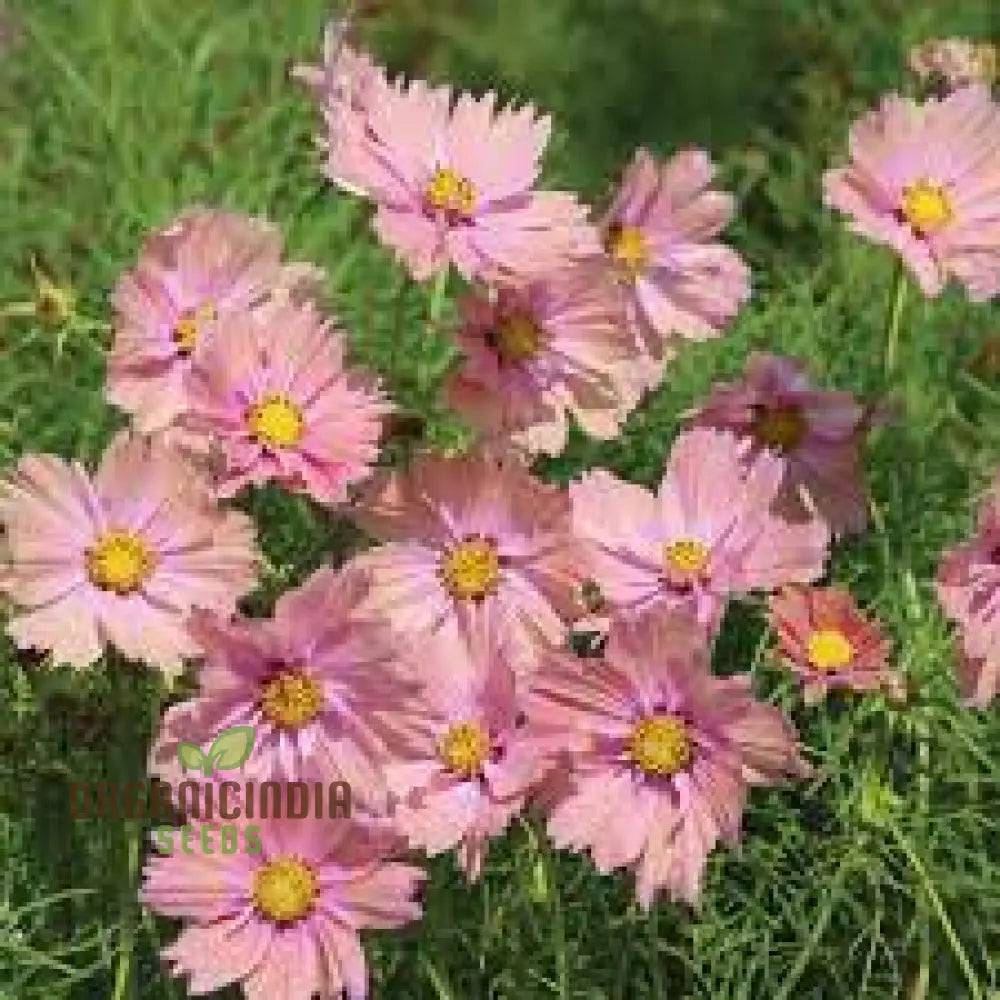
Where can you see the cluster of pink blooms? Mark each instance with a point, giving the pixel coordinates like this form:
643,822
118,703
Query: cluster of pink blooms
433,671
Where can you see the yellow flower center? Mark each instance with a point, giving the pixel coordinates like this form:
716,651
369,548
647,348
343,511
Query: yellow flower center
780,427
292,699
121,561
464,748
829,650
450,192
285,889
627,247
516,338
471,570
188,326
927,207
687,557
276,421
660,745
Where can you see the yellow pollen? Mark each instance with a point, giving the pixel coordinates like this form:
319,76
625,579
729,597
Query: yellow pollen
464,748
471,570
829,650
627,247
517,338
686,557
292,699
780,427
660,745
927,207
285,889
188,327
450,192
276,421
120,561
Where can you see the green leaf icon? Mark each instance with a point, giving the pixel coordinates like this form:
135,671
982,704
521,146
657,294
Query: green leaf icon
231,748
191,757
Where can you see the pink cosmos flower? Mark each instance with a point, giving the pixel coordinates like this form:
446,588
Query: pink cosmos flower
817,432
660,233
454,182
707,533
829,643
317,685
952,63
283,922
121,557
476,766
969,591
474,530
274,397
535,353
661,753
204,267
924,179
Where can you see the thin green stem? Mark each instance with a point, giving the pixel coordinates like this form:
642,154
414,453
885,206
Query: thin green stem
541,852
438,290
833,891
558,918
900,286
123,970
975,990
437,978
924,782
654,946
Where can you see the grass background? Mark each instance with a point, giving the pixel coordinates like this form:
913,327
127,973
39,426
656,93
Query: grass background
878,879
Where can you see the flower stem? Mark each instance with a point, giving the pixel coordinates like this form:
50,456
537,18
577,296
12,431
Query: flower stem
436,977
123,970
438,290
820,925
975,990
654,952
543,854
900,286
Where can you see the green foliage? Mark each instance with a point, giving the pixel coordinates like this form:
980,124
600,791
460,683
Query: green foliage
115,114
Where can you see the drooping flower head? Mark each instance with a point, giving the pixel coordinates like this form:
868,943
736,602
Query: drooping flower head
272,394
661,753
924,179
708,533
205,266
454,182
476,766
346,83
474,530
317,685
538,352
829,643
948,64
120,558
661,234
969,591
280,914
344,73
817,432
